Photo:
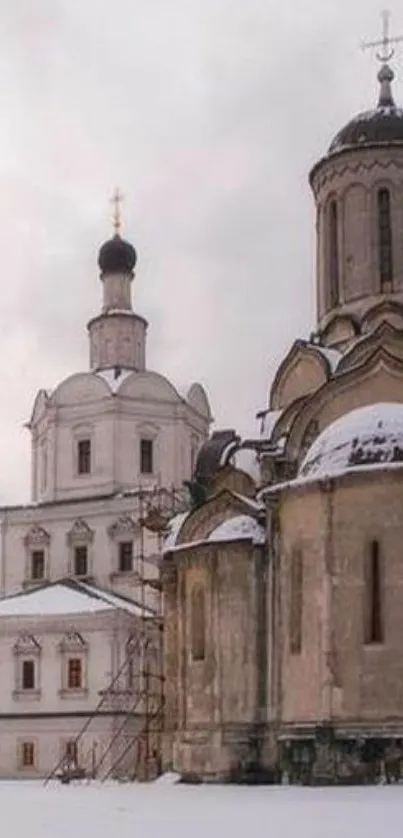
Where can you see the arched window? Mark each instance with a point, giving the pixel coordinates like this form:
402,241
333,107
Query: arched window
385,250
333,253
373,596
296,603
198,624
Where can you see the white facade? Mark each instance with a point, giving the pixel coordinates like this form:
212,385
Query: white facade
60,648
109,446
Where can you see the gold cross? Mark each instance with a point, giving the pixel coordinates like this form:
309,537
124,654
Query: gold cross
386,42
116,201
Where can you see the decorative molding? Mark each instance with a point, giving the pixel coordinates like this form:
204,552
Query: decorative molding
335,169
80,533
122,528
73,642
37,537
27,645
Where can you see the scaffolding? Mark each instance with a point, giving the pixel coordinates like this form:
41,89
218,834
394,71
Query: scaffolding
134,698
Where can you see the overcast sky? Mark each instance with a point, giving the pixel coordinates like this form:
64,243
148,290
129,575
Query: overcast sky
208,114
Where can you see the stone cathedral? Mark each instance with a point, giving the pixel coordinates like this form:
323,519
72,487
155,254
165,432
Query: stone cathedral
284,594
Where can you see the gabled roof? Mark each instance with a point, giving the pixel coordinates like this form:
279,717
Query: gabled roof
67,597
226,516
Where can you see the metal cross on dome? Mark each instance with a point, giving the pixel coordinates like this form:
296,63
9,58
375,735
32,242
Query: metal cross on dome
116,201
386,42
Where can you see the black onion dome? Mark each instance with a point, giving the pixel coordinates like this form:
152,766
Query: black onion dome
381,126
117,256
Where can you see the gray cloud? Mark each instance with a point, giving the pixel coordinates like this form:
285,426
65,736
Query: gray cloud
208,114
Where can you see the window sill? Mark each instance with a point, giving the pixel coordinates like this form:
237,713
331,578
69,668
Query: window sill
80,692
124,574
26,695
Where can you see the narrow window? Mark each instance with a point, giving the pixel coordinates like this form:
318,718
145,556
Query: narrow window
146,456
374,618
125,556
84,456
385,254
28,675
28,754
130,674
72,752
333,254
37,565
198,624
296,603
44,465
74,674
81,560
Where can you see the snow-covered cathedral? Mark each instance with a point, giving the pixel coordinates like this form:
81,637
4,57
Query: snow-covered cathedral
111,448
258,635
284,602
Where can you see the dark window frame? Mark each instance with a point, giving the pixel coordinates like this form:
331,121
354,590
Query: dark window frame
374,611
28,674
126,556
198,623
28,754
146,455
334,256
75,673
296,602
37,563
84,455
80,556
385,239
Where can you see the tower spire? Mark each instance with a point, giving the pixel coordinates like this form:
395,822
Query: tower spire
116,201
385,50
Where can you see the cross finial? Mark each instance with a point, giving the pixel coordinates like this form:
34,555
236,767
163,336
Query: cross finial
387,43
116,201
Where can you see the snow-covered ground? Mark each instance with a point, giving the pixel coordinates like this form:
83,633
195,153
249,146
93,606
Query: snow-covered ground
167,810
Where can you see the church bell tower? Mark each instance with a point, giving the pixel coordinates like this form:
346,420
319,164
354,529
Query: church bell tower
117,335
358,191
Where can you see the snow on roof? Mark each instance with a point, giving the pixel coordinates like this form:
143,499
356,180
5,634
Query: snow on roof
269,420
246,460
365,436
64,598
175,525
117,601
331,355
254,504
239,527
114,377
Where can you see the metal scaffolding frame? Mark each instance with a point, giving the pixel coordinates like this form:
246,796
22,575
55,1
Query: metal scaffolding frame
144,702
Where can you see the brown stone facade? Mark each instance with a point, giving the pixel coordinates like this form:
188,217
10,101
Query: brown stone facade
301,673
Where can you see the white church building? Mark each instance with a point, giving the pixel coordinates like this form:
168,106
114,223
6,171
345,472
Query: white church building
111,447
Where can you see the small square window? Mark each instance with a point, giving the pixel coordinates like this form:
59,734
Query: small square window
125,556
37,565
146,456
84,456
27,754
81,560
28,675
74,674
